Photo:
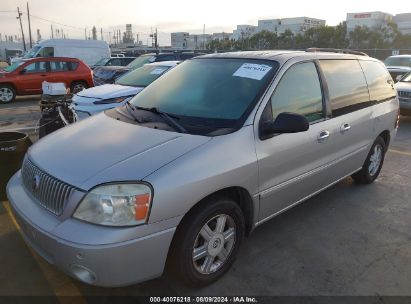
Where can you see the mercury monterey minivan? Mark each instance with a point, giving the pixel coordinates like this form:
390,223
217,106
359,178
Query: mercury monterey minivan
217,146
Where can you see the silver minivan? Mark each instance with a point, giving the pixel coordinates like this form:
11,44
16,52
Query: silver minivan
191,165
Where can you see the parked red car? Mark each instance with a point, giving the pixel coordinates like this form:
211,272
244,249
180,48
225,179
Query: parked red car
26,77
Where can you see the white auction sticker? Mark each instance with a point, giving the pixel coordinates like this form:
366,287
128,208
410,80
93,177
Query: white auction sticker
158,71
252,70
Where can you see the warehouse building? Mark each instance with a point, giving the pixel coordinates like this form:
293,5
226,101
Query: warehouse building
371,20
295,25
403,22
179,40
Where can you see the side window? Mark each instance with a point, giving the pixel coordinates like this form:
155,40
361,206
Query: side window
58,66
299,91
346,86
46,52
36,67
72,66
115,62
380,84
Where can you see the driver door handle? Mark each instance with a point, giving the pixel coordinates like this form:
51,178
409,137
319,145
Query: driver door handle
345,127
323,135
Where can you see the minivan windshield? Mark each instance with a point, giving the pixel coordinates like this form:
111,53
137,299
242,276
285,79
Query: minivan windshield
140,61
32,53
209,91
406,78
143,76
398,61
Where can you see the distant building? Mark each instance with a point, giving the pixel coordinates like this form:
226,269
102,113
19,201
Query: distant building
179,40
128,35
403,22
222,36
295,25
244,31
198,41
371,20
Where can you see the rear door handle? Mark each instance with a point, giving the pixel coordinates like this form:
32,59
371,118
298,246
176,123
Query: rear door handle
323,136
345,127
43,75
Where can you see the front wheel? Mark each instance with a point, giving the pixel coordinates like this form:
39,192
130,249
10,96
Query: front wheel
7,94
373,164
207,242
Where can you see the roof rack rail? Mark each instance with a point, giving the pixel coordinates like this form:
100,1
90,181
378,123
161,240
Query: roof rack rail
331,50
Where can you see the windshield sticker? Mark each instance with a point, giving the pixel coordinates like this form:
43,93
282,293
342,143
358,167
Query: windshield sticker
252,70
158,71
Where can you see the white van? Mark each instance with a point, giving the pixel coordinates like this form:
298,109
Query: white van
89,51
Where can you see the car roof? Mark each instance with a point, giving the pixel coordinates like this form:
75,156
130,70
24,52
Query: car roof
284,55
170,63
50,59
399,56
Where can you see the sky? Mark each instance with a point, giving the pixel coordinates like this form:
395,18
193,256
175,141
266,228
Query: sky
74,16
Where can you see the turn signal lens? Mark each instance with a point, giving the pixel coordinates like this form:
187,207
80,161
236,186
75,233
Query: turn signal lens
142,206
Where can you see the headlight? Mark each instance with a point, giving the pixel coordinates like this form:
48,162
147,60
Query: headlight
116,205
112,100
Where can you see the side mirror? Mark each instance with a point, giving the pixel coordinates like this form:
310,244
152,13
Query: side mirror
284,123
22,71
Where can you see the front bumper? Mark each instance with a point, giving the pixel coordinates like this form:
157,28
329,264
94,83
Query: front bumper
106,264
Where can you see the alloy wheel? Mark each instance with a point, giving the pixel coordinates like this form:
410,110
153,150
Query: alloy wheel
214,244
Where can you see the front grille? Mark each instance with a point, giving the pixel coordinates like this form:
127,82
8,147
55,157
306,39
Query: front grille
50,193
404,94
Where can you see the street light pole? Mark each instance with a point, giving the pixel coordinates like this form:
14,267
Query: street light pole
21,27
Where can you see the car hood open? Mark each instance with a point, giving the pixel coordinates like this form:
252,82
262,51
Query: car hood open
101,150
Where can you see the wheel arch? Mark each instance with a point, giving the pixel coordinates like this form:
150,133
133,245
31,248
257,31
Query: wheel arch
385,135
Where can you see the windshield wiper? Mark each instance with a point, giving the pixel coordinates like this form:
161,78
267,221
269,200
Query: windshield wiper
133,108
171,119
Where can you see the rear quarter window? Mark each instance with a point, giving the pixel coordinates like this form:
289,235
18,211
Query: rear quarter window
72,65
380,83
347,87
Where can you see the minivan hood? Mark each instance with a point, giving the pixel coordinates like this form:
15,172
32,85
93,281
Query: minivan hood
101,150
107,91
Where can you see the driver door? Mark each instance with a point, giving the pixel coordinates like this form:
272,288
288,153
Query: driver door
293,166
35,73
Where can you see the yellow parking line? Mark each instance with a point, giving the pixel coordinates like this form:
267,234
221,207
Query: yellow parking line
400,152
61,284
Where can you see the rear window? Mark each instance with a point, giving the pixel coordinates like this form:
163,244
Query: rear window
58,66
346,86
398,61
380,83
143,76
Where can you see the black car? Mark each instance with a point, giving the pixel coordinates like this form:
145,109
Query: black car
113,61
107,74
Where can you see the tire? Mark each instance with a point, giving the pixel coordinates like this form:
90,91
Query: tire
373,164
217,257
78,86
7,94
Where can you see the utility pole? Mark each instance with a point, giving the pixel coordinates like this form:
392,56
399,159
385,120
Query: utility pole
101,33
21,26
155,39
52,33
28,17
85,33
